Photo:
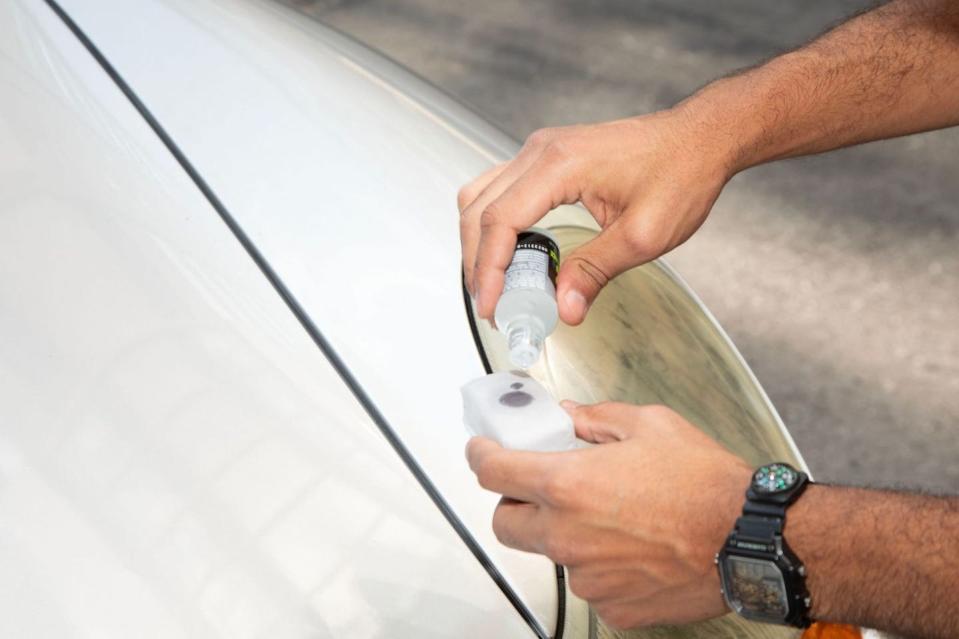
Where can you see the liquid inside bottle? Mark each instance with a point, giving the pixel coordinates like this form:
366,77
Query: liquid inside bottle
526,312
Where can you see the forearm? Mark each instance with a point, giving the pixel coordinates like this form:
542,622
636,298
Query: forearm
889,72
880,559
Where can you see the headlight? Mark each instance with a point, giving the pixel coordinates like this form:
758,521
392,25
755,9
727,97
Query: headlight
648,339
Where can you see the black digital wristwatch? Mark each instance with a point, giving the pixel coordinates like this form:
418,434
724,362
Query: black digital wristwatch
762,579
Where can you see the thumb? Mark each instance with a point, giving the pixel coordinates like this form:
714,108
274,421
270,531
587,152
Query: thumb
599,423
589,268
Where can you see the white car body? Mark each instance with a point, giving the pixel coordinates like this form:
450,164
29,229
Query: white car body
178,457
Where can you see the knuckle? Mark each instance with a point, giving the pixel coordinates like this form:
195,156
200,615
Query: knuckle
467,224
660,410
617,618
601,410
466,221
657,412
484,482
559,150
644,240
578,585
499,526
484,473
603,406
492,214
606,613
540,137
560,548
582,587
588,410
636,237
465,197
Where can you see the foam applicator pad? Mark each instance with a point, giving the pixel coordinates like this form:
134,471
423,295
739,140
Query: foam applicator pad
515,410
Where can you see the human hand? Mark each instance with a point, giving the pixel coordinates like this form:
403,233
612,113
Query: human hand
648,181
636,520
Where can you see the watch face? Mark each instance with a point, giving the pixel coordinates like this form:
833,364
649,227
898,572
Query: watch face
774,478
755,589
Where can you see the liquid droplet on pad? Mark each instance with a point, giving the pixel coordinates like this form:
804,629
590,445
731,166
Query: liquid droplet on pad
516,399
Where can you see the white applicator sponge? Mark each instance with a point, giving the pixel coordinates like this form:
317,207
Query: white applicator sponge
515,410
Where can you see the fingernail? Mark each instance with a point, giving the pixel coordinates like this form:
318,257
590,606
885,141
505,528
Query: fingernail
569,405
575,302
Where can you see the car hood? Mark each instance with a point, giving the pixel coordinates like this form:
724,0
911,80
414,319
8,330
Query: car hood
177,458
343,171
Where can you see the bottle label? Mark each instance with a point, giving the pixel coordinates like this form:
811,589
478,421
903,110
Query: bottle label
534,265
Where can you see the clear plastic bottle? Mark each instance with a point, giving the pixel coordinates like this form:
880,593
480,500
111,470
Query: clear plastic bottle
526,312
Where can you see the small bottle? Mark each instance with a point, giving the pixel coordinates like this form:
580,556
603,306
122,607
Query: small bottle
526,312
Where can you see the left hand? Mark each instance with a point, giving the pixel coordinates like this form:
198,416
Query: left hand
636,520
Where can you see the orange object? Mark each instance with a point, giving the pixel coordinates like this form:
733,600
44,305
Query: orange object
831,631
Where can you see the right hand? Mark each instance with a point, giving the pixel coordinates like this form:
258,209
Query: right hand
636,519
648,181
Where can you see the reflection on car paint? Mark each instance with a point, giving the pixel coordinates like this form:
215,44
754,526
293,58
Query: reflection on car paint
646,340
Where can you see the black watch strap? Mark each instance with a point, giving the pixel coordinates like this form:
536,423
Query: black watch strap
758,538
761,509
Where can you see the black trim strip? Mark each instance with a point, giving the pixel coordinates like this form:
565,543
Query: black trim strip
307,323
474,329
560,571
560,602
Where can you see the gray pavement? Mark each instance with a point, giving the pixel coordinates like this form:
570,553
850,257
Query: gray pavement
837,275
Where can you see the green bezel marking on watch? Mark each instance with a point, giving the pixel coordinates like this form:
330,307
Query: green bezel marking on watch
774,478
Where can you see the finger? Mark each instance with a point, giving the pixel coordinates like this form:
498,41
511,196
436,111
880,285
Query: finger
471,216
607,422
519,525
602,423
469,192
469,225
544,186
589,268
604,582
569,406
513,473
653,604
614,421
622,614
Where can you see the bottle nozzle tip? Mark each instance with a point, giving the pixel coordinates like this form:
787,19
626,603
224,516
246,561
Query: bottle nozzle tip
524,356
525,344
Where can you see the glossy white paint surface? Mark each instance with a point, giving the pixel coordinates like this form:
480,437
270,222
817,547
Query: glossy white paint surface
176,457
347,184
344,170
169,418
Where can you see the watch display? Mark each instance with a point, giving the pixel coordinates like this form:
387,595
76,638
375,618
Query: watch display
755,589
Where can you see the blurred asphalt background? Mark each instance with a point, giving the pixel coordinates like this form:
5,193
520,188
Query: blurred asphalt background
837,276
